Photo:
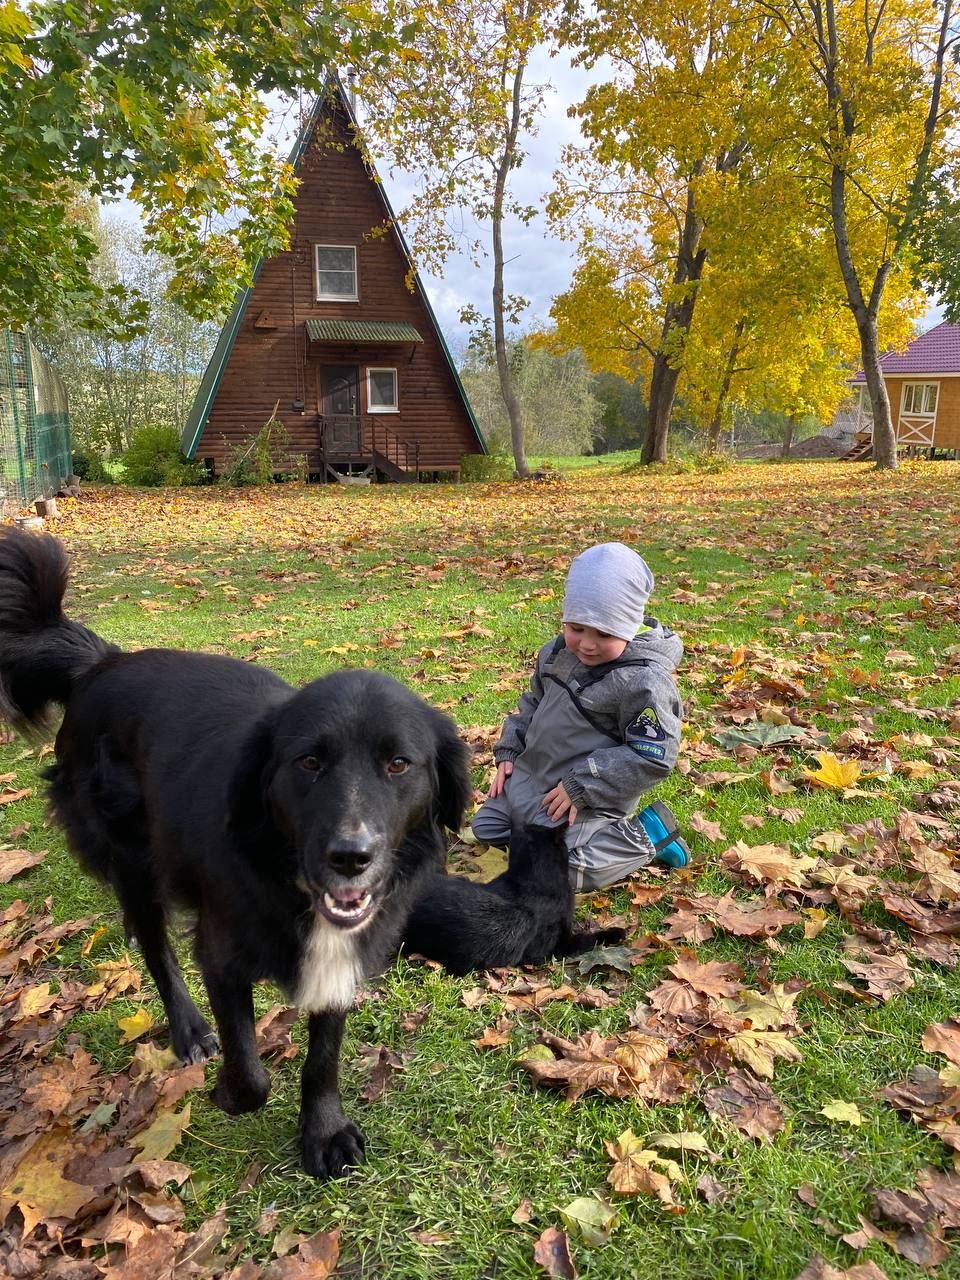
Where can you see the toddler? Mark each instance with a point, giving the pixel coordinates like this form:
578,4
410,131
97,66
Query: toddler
599,726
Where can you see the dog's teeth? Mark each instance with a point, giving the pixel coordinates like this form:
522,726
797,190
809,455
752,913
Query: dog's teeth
346,912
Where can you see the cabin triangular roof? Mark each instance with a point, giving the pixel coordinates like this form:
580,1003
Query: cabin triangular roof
332,97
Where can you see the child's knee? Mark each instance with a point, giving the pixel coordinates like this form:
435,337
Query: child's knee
490,826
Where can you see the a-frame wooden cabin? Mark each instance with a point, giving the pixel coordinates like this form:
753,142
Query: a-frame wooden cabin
331,341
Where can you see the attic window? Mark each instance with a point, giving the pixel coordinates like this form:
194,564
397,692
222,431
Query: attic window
336,273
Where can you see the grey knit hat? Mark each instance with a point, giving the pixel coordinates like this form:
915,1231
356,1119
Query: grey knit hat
608,587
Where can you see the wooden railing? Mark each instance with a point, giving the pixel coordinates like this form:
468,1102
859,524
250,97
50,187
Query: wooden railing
364,439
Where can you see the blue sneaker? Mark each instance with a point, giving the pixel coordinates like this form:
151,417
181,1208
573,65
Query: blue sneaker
661,827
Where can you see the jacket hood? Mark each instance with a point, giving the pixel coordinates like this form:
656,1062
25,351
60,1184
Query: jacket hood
657,644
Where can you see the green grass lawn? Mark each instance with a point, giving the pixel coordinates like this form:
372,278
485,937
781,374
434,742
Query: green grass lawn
830,593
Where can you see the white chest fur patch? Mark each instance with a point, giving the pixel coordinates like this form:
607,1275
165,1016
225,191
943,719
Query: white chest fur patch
330,970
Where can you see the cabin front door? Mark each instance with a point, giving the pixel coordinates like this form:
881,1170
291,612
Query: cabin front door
340,408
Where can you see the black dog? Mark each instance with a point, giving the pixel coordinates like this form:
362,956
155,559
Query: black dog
524,916
298,825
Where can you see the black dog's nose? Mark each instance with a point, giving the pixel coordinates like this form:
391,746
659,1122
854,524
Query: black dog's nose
350,858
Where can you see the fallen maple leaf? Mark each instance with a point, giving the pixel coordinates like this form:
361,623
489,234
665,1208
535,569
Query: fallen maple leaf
833,774
11,797
633,1171
711,830
760,1049
13,861
38,1187
716,978
943,1037
768,863
842,1112
592,1217
885,976
117,977
136,1025
819,1269
159,1139
552,1252
749,1105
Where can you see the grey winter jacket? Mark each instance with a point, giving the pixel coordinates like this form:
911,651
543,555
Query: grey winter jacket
612,734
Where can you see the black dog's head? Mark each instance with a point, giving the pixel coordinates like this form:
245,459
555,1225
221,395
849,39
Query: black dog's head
357,773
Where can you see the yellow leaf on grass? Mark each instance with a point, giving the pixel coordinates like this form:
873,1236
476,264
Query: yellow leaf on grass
163,1135
833,774
815,923
633,1172
843,1112
92,939
760,1049
116,978
135,1026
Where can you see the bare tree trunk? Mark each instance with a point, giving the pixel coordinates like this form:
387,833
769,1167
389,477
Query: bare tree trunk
507,388
716,424
788,436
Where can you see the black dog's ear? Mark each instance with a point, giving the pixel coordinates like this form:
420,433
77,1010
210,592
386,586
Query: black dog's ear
453,774
246,798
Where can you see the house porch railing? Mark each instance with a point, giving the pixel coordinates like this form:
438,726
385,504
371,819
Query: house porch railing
365,438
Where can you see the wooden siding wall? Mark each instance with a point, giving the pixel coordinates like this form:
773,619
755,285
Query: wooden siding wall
947,435
338,203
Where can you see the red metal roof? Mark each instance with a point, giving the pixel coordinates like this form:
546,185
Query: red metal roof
936,351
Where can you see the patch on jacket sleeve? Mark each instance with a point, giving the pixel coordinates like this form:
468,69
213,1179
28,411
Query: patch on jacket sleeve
646,735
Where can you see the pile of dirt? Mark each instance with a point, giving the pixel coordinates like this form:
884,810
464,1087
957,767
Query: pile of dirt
815,447
821,447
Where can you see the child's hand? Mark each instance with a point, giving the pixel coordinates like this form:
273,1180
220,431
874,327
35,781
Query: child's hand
557,803
504,770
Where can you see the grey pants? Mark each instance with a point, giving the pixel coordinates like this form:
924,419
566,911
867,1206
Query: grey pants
602,850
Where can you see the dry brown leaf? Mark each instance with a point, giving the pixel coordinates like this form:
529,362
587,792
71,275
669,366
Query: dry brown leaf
13,861
552,1252
749,1105
714,979
768,864
943,1037
710,830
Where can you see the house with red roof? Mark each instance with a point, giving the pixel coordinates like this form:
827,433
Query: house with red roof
923,385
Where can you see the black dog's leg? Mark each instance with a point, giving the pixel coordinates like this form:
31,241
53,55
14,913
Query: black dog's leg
191,1036
242,1083
329,1140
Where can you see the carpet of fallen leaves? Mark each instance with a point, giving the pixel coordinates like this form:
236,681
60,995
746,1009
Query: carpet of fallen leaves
859,619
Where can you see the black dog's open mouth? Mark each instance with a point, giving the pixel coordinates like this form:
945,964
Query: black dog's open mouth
346,907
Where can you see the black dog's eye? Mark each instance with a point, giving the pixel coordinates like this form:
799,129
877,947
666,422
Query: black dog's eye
310,763
399,764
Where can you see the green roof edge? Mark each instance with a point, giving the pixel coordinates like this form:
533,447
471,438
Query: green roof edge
210,382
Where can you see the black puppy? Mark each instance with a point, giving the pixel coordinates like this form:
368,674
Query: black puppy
524,916
297,825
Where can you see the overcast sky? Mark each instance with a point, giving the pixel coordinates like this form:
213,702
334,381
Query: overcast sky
538,265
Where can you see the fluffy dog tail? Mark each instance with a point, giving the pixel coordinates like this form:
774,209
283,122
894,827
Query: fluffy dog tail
42,653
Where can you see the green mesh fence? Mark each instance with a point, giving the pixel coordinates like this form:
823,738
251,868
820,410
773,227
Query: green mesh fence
35,447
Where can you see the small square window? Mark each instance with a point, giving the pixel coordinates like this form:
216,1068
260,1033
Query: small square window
336,273
382,391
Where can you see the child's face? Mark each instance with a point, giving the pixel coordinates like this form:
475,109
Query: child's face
592,647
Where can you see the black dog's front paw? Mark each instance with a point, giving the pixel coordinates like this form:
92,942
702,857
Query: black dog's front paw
194,1041
331,1156
238,1095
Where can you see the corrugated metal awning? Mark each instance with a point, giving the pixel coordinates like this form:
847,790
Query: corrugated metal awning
372,331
